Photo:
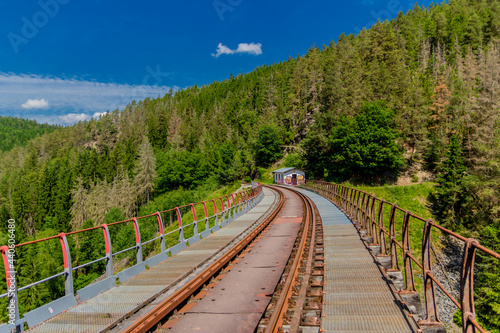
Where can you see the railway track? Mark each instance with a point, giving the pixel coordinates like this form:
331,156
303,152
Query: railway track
295,302
297,306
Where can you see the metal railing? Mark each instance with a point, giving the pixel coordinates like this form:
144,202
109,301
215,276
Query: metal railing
225,209
368,211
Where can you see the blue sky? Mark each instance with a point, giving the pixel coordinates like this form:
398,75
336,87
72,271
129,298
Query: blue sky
62,61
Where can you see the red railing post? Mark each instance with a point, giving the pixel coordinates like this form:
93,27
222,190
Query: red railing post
162,232
467,286
373,223
206,214
432,318
195,220
357,215
194,212
137,240
352,205
234,204
68,270
109,254
181,229
409,277
216,220
392,230
383,245
346,200
365,210
215,206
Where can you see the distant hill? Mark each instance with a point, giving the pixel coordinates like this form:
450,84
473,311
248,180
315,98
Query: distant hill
17,131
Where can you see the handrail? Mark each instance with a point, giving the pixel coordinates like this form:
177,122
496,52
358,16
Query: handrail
356,204
252,196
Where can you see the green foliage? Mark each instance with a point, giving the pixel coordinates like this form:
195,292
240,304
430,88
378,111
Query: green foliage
266,176
364,145
17,132
316,154
294,160
180,169
268,146
91,247
450,197
488,293
411,197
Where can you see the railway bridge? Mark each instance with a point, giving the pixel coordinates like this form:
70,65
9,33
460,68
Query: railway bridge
316,258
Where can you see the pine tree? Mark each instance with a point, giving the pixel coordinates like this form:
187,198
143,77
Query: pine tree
146,176
79,208
451,197
439,124
174,130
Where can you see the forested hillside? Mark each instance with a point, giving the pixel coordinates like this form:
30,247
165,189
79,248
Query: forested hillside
17,132
423,88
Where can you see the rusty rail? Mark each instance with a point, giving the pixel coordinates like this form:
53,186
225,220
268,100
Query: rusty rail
275,324
368,211
154,316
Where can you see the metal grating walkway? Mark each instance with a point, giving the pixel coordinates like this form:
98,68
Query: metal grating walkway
104,310
357,296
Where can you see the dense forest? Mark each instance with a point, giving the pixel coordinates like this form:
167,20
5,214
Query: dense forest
422,89
17,131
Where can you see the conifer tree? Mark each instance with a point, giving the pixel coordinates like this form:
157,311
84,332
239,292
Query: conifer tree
439,123
146,176
79,208
450,194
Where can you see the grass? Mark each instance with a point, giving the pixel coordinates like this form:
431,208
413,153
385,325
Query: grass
266,176
410,197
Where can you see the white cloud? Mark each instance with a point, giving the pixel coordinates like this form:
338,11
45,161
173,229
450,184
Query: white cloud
66,119
99,114
35,104
72,118
221,49
70,99
250,48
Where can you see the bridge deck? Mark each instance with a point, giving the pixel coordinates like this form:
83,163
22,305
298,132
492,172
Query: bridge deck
358,298
105,309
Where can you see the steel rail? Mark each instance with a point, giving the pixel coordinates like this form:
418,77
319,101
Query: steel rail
295,323
281,306
276,320
160,311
